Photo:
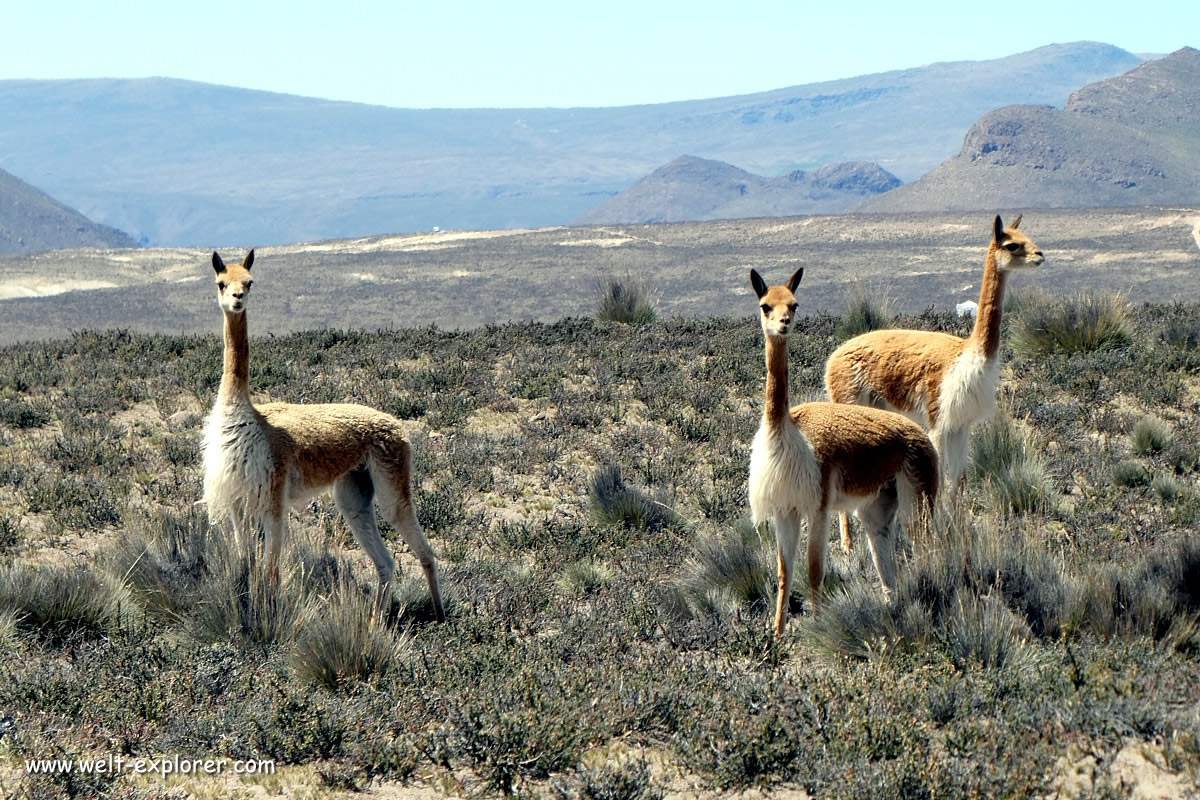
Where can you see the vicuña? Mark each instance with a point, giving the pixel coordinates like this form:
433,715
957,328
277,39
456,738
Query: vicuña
259,460
817,458
942,382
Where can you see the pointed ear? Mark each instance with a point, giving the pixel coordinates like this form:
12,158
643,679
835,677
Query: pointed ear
998,229
1017,224
249,260
218,264
795,280
760,286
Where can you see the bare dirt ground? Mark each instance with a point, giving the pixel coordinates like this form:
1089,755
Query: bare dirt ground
465,279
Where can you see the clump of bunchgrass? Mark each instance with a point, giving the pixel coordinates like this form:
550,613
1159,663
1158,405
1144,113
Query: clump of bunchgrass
60,603
1150,435
981,592
863,313
730,568
615,503
627,300
1077,324
620,779
1166,486
346,640
1158,597
164,559
242,602
584,577
1006,458
1130,473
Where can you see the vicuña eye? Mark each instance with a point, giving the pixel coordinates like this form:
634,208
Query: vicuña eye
1012,247
766,309
220,286
248,284
792,307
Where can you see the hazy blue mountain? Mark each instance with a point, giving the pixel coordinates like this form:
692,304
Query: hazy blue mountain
1129,140
181,163
32,221
691,188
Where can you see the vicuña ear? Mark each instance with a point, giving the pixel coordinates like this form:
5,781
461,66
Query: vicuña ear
795,280
1017,224
760,286
998,230
249,260
218,264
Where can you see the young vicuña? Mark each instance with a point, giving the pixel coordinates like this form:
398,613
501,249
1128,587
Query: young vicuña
943,382
259,460
817,458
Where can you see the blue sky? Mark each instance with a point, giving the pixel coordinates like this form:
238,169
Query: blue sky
513,53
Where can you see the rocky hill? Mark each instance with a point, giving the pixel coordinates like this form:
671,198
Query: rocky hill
691,188
32,221
1129,140
181,163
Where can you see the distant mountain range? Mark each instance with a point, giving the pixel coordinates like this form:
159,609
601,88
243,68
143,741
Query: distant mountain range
180,163
31,221
1126,141
692,189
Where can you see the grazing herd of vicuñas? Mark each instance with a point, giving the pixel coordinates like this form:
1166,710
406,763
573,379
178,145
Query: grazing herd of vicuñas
897,427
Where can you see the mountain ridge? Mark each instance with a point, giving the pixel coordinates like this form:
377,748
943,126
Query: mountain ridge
1133,139
174,162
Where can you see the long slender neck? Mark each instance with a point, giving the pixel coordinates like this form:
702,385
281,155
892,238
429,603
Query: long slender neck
776,412
986,336
235,379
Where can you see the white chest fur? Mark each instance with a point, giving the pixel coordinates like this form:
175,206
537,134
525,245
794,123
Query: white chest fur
968,391
237,466
784,475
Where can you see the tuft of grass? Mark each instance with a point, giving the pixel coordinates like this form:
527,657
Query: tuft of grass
346,641
626,300
241,602
981,593
59,604
1080,324
1158,597
729,569
585,577
164,559
1150,435
614,503
622,779
1167,487
1130,473
1007,459
863,313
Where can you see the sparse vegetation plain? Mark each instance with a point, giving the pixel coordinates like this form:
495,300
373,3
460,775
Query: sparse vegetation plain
584,485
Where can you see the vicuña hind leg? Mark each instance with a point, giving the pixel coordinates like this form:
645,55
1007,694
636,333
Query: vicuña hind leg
395,503
818,537
353,494
787,537
879,519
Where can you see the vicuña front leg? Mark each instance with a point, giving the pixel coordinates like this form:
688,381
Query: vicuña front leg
818,536
787,539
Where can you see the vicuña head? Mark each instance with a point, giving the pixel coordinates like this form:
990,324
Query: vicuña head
777,304
233,283
1014,250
